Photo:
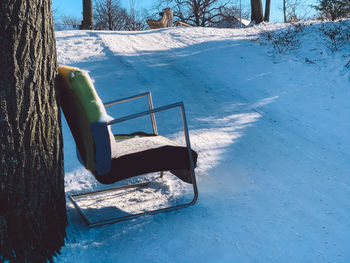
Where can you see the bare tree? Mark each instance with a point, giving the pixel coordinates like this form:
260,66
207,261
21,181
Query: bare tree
135,20
294,10
87,15
109,15
32,199
56,14
230,17
195,12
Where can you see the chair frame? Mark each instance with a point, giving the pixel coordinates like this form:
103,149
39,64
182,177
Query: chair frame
150,112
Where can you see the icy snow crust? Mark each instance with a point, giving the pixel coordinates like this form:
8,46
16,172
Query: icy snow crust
272,133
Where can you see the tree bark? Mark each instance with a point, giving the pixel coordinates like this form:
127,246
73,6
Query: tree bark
267,10
87,15
256,11
32,199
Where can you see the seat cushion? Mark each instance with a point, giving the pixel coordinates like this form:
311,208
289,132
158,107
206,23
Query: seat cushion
141,154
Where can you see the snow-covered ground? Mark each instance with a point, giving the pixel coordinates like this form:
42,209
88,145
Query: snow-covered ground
272,133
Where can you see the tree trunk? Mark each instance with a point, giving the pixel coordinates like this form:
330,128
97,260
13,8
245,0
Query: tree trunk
256,11
32,199
87,15
284,11
109,14
267,10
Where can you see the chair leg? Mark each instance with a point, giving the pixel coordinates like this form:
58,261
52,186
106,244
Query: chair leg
161,174
126,217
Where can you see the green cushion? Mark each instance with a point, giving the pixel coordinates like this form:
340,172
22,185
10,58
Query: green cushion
87,95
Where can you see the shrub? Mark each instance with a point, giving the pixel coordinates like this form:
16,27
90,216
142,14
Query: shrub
285,40
338,35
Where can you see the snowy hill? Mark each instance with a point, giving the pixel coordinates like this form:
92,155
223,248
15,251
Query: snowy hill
271,130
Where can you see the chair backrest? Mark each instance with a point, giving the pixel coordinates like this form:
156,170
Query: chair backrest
87,119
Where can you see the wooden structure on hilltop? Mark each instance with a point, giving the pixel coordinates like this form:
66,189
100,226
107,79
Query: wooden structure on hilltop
165,21
179,23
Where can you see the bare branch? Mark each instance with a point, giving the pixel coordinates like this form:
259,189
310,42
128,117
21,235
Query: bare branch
109,15
197,12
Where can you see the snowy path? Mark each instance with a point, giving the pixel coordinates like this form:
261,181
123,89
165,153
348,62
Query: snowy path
273,143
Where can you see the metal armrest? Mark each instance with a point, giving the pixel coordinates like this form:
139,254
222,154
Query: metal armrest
150,106
148,94
149,112
184,124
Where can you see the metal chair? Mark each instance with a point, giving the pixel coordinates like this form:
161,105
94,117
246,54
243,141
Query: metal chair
75,117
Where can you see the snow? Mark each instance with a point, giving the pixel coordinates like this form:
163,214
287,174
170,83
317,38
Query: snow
271,131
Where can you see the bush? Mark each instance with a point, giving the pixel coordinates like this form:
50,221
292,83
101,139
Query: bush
338,34
285,40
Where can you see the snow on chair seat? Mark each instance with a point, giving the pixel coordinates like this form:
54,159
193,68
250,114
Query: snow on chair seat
152,153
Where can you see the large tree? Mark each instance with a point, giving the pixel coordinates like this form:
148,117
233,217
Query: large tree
256,11
87,15
267,10
32,199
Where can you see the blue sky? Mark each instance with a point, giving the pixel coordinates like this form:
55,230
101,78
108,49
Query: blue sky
74,7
